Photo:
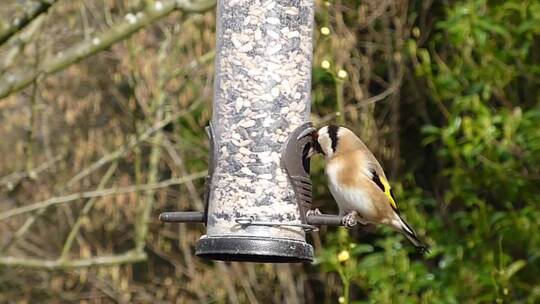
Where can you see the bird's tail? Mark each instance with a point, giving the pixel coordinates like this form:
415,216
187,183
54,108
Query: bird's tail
404,228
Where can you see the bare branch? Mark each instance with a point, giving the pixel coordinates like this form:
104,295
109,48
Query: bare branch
365,102
132,23
86,209
12,179
30,221
128,257
179,165
132,142
100,193
20,23
17,44
141,226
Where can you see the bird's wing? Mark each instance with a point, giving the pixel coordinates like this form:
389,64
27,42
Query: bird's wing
376,174
382,183
373,171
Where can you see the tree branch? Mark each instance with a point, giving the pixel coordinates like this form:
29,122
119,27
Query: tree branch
145,210
11,180
128,257
364,102
20,23
132,142
99,193
133,22
17,44
86,209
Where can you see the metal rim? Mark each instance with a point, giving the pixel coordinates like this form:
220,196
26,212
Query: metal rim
254,249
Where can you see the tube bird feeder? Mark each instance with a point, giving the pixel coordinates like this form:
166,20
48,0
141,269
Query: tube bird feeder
258,191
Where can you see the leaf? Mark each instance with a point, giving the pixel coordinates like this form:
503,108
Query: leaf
514,267
430,129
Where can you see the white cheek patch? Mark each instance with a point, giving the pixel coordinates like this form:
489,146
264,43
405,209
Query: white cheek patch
326,145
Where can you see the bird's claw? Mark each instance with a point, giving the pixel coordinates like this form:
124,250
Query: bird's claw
313,212
349,220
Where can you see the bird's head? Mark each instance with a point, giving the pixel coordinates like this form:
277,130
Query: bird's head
326,140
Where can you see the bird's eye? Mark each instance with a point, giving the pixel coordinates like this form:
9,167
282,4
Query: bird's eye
315,135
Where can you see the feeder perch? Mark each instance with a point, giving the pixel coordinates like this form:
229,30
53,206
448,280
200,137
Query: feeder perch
258,190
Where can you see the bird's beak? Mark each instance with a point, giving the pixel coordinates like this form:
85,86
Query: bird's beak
311,152
314,147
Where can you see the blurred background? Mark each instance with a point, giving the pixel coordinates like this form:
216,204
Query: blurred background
103,105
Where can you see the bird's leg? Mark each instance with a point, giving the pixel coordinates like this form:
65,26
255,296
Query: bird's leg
362,221
350,219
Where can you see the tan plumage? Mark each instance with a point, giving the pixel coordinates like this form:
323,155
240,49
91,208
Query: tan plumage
357,181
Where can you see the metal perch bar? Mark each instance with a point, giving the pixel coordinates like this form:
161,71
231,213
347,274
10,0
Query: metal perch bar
198,217
182,217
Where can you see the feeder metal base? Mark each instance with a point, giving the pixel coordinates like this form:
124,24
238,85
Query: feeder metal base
254,249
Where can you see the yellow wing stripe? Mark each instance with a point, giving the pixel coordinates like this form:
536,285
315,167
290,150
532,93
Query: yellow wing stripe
383,184
388,193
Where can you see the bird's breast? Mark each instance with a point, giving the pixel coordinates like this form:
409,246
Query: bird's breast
349,198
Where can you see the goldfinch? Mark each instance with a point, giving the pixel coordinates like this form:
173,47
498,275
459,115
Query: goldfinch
358,183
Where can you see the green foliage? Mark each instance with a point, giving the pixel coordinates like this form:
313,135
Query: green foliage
384,271
482,73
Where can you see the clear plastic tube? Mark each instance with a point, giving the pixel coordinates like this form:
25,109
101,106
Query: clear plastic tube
262,93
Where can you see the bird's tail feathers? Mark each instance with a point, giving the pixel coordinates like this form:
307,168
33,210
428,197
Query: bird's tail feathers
412,236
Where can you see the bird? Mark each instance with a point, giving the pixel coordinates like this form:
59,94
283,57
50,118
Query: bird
358,183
